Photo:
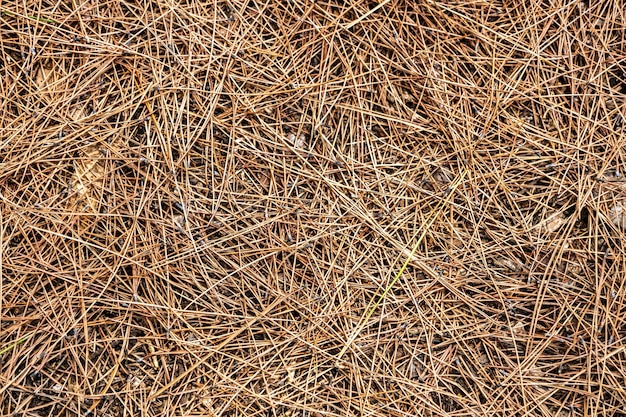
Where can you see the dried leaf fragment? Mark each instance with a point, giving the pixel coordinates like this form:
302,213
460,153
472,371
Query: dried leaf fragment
89,170
511,264
617,214
554,222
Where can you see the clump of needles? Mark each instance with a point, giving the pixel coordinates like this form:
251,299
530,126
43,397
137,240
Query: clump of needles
313,208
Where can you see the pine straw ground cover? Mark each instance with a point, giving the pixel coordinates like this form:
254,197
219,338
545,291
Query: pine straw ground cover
203,204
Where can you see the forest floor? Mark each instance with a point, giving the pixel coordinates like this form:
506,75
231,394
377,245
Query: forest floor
313,208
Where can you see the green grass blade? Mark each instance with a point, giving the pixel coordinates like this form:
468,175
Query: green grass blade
17,343
40,19
425,229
